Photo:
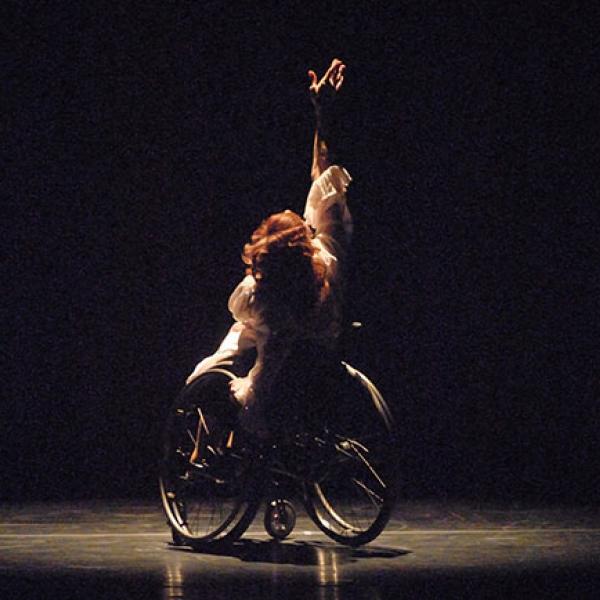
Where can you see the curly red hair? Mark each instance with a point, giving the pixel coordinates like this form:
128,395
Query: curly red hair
290,277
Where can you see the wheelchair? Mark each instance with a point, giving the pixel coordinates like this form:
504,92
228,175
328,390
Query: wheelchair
333,444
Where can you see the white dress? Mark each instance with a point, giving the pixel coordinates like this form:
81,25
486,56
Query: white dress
327,213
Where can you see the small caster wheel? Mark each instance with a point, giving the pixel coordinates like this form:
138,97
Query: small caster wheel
280,518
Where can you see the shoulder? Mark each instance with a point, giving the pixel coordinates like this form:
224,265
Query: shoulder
241,299
322,251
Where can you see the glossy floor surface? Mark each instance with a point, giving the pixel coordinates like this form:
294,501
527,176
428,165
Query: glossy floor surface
118,550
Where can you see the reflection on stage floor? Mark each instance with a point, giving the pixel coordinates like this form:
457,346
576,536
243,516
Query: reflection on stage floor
122,549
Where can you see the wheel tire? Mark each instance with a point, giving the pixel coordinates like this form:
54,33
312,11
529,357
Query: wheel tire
176,538
208,480
351,492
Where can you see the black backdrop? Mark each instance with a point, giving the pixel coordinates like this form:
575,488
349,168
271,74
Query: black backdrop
141,146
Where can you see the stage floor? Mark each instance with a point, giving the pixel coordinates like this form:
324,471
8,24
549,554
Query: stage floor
111,549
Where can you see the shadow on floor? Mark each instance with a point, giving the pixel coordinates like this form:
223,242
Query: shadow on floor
293,553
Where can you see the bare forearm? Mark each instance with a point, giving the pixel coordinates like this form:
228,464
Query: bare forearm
323,93
322,142
320,161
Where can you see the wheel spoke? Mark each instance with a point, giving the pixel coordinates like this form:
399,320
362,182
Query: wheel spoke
375,498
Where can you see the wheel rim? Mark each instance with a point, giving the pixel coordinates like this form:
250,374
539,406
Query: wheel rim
351,494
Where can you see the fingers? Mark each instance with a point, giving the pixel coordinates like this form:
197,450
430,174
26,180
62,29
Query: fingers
339,79
313,78
333,67
335,74
335,63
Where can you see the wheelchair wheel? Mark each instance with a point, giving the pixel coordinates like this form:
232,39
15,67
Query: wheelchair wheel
351,491
207,480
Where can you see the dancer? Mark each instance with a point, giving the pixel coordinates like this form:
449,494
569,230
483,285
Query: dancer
293,285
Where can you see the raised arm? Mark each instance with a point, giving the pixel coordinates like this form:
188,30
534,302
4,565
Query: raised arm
322,92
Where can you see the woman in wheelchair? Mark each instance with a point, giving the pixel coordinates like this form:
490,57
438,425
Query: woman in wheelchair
315,426
293,287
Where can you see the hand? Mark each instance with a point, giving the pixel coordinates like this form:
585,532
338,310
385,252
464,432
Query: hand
242,390
331,82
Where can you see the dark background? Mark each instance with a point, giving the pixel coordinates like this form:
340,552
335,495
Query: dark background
143,143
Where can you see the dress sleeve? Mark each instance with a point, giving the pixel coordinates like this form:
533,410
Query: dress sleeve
326,208
240,301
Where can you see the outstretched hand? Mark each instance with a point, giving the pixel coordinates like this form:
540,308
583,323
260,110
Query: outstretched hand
330,82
